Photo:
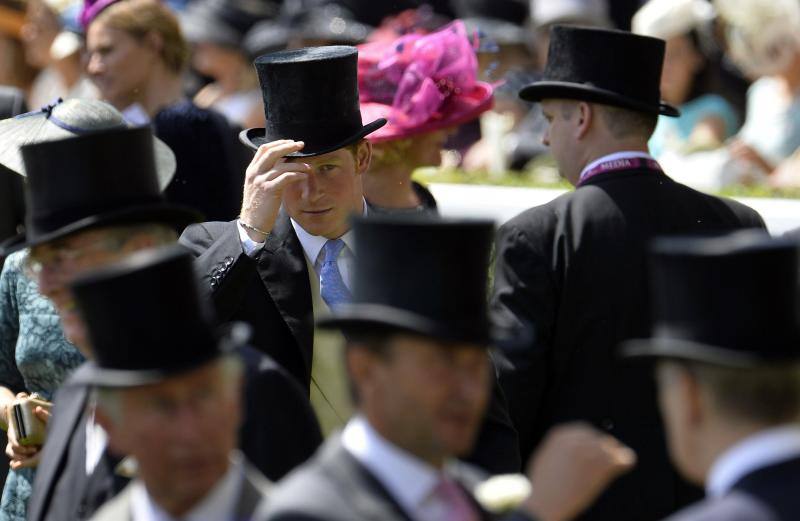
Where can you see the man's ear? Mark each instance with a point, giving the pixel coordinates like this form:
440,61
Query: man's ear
585,114
363,156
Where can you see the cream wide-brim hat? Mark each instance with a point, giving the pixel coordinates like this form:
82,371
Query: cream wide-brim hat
66,119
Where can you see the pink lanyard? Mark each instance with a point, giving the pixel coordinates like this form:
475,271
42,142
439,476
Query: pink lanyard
617,165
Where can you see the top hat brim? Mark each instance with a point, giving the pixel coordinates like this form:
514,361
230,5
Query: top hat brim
255,137
471,105
567,90
177,216
351,317
230,338
654,348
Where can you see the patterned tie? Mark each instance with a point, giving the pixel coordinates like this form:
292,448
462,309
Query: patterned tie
332,288
456,505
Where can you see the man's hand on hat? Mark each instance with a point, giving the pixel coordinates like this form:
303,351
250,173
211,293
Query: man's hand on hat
573,465
268,174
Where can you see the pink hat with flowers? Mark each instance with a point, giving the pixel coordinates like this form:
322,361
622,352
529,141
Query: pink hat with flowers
92,8
421,82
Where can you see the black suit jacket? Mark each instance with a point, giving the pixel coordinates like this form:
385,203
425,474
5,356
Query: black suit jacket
767,494
272,293
279,432
334,486
574,272
61,490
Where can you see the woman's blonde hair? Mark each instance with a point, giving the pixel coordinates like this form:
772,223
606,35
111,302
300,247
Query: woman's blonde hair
393,153
140,17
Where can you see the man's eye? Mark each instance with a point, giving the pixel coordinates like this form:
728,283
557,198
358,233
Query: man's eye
327,168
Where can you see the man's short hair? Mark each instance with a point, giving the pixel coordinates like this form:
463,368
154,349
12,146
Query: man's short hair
767,395
623,123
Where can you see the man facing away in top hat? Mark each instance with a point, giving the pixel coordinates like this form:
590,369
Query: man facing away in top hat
574,270
168,394
85,211
289,255
726,342
417,334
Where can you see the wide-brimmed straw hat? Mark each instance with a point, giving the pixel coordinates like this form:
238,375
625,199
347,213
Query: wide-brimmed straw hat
421,83
70,118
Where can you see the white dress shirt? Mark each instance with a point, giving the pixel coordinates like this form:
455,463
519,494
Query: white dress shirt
312,246
96,440
409,480
613,157
219,504
765,448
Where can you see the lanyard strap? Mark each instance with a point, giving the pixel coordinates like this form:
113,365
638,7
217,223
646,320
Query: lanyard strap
621,164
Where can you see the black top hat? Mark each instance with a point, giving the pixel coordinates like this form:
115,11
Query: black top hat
310,95
146,321
423,275
731,300
71,186
603,66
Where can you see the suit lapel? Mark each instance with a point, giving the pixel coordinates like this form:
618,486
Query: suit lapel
66,416
282,267
365,493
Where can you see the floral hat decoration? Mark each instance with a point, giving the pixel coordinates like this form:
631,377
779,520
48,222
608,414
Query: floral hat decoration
421,82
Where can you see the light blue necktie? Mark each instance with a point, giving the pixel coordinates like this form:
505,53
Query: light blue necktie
332,288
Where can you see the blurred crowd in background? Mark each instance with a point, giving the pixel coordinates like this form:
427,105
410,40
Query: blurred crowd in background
732,66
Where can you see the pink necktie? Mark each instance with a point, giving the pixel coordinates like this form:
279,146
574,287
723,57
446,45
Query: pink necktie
457,506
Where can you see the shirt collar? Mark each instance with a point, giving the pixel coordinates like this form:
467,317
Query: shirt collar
614,157
755,452
220,503
407,478
312,244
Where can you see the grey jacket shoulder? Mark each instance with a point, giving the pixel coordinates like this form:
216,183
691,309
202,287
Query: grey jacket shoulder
737,506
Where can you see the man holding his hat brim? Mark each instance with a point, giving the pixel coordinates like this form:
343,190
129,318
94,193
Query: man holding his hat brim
87,210
574,269
726,343
420,374
289,255
169,394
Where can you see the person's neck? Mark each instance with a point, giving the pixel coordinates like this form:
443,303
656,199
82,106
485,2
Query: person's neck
791,77
69,69
177,507
602,149
163,89
390,188
718,440
237,77
432,458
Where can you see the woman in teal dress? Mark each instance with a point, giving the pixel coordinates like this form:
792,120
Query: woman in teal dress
34,358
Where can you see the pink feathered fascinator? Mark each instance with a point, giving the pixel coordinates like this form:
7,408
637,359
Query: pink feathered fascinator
421,82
